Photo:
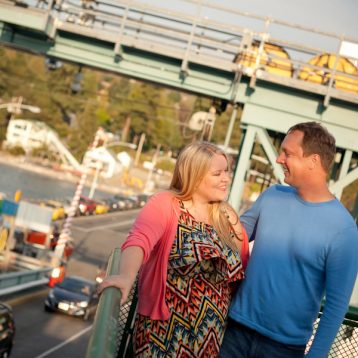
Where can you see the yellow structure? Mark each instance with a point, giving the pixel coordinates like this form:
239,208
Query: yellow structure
321,69
273,57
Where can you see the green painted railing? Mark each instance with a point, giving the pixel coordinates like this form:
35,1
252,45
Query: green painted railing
352,316
104,338
112,328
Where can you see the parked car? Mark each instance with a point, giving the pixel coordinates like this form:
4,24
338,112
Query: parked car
114,204
74,296
143,198
7,330
58,209
101,207
139,199
87,206
129,204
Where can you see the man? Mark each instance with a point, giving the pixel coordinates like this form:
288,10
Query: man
306,246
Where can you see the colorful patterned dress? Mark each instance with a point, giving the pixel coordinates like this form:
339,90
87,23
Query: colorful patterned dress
198,295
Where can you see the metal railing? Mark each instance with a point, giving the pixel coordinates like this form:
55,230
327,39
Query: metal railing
201,38
18,281
345,344
113,325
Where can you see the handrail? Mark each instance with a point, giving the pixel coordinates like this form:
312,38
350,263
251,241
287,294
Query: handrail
213,43
351,317
18,281
106,339
103,341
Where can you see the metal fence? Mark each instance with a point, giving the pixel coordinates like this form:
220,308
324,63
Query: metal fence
346,343
113,326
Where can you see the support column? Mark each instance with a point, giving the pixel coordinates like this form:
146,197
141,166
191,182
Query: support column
238,183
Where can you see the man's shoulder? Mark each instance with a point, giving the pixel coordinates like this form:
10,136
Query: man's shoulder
279,189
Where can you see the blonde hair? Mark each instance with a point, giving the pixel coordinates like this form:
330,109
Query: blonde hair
191,166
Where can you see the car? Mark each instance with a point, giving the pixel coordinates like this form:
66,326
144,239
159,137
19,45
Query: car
69,209
7,330
87,206
58,209
139,199
75,296
114,205
101,207
129,204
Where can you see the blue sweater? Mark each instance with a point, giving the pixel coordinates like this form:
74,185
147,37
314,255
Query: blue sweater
302,251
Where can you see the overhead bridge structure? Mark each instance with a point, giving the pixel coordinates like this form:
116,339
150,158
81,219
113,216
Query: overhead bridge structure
279,73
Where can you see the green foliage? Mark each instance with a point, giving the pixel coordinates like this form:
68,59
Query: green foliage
166,164
44,152
105,100
16,150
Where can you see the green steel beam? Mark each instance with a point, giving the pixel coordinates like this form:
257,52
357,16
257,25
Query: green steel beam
134,63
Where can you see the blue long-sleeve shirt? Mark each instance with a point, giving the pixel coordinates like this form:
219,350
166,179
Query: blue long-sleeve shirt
302,251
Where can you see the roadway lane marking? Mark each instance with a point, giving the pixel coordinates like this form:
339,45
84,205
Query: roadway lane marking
122,223
79,334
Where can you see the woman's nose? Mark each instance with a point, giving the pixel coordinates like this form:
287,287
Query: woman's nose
226,177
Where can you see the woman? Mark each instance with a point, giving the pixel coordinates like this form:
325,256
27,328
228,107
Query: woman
190,247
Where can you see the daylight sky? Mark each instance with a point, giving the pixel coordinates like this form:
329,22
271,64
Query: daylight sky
337,16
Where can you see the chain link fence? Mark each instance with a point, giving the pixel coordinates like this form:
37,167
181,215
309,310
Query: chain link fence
127,315
346,343
112,333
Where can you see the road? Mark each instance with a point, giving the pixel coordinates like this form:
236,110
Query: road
40,334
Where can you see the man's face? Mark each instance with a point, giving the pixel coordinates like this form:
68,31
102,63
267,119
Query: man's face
295,165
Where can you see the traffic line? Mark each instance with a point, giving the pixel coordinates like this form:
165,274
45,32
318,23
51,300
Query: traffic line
122,223
79,334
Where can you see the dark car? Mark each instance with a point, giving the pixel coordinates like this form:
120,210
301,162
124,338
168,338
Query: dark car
74,296
114,204
7,330
128,203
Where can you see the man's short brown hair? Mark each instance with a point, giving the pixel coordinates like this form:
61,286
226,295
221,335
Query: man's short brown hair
317,140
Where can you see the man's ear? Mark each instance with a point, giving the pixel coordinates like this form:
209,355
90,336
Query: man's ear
315,160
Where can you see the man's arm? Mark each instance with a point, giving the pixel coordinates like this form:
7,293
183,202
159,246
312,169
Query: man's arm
341,273
250,218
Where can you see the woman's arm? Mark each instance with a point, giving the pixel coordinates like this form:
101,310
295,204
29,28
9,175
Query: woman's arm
130,262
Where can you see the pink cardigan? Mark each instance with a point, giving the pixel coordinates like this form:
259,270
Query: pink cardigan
154,231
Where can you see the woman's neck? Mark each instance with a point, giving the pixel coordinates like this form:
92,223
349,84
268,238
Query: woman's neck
199,209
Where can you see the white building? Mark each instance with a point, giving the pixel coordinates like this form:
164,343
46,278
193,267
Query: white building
31,134
104,160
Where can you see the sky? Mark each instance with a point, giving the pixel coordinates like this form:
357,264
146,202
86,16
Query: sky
337,16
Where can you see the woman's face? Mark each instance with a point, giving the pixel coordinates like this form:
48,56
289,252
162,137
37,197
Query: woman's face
215,184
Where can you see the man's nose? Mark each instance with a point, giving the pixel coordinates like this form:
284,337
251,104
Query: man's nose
280,159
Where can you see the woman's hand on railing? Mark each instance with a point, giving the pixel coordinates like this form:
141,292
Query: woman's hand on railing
123,282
